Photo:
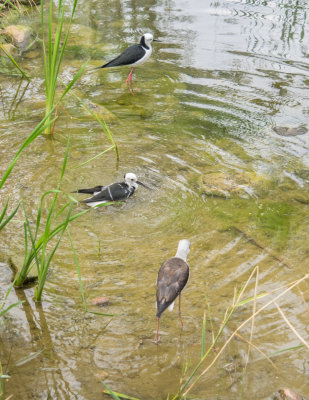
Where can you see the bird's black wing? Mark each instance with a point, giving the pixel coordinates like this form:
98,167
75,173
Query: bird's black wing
172,278
90,190
127,57
113,192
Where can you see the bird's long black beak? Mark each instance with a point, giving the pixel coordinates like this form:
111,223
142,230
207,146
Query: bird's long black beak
142,184
156,40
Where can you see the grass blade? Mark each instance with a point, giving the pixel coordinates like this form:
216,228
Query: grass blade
203,336
8,219
120,395
93,158
9,307
34,134
113,394
23,73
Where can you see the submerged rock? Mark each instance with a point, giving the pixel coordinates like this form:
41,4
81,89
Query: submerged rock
236,184
102,112
286,131
23,37
101,301
288,394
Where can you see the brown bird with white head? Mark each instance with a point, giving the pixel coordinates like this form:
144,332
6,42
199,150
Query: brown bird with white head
172,278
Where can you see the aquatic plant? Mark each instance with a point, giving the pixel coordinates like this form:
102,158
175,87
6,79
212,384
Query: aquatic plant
37,252
104,128
53,52
5,221
3,310
13,61
41,126
38,248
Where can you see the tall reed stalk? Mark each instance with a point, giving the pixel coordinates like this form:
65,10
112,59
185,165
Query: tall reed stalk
53,52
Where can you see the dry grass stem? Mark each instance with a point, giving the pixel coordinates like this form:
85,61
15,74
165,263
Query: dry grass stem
257,349
291,326
243,324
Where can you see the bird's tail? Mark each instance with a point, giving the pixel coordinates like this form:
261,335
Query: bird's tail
88,191
93,69
107,65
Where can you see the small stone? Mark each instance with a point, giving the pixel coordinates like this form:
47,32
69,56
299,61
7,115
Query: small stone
288,394
22,36
101,301
286,131
101,111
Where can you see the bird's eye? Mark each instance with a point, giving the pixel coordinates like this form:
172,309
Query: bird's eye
132,179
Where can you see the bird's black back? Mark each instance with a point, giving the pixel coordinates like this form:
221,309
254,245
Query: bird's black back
172,278
113,192
129,56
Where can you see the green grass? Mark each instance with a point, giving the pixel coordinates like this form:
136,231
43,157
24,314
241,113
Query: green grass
39,245
4,221
4,310
11,58
38,252
42,125
105,130
53,53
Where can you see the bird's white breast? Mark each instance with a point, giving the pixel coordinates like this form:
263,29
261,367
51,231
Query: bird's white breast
145,58
95,203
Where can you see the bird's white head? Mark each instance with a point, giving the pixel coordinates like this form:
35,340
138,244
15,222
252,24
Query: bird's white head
183,249
131,179
146,40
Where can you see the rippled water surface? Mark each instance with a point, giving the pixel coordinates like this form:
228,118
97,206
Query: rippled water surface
199,131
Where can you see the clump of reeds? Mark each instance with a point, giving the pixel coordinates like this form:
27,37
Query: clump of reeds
53,52
36,243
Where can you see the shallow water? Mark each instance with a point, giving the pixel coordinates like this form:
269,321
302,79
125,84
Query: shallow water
223,74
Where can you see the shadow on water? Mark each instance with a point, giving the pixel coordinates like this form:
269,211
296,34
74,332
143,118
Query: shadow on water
199,131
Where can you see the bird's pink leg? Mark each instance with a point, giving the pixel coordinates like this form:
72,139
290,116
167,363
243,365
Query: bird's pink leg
129,78
179,312
157,337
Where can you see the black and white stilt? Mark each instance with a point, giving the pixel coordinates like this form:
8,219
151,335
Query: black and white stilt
114,192
172,278
133,56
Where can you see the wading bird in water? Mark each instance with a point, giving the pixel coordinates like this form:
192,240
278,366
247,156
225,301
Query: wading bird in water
133,56
172,278
114,192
